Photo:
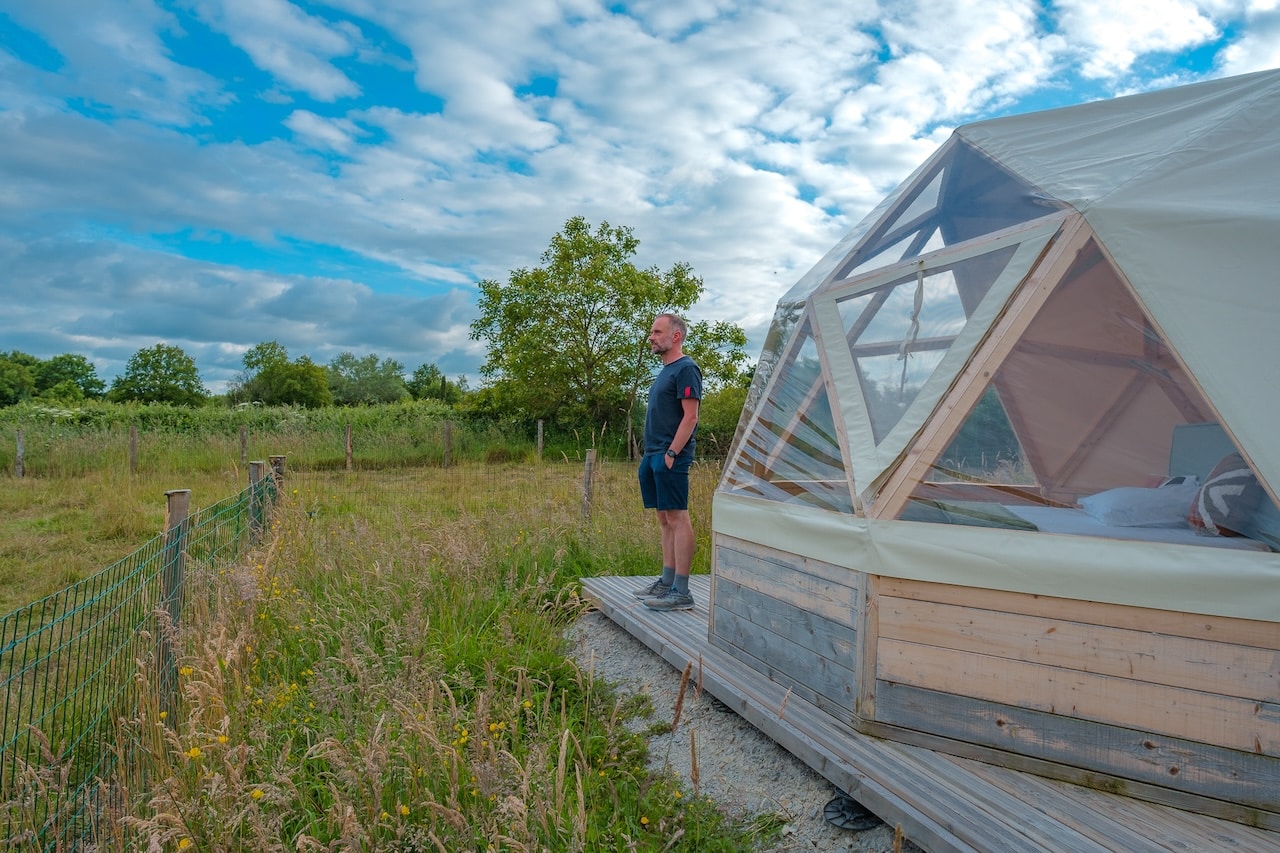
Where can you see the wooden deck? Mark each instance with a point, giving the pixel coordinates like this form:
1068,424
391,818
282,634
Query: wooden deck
942,803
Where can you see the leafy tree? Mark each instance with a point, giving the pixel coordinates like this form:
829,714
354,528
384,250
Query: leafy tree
297,383
264,355
568,340
72,368
272,379
17,378
65,392
718,419
355,381
719,351
429,383
159,374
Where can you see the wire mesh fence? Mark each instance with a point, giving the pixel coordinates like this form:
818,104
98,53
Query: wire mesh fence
69,664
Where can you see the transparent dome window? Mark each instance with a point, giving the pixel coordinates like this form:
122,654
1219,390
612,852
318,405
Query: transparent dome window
899,333
1090,425
790,449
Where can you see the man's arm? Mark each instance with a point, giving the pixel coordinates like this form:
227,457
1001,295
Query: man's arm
688,420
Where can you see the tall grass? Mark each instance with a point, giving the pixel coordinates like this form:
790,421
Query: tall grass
389,672
91,493
97,437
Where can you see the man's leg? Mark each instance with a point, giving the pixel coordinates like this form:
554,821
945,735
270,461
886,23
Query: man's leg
677,536
649,497
677,544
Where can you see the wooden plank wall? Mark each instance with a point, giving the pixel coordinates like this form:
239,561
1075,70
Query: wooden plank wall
1179,701
792,619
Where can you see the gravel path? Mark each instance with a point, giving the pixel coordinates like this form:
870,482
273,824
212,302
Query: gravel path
744,771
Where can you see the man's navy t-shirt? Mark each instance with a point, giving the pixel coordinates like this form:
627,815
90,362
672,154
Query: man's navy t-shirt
679,380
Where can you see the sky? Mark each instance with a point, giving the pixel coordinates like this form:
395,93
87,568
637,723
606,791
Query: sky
338,175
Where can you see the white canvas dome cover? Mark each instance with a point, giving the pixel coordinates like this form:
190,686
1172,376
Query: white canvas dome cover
1056,306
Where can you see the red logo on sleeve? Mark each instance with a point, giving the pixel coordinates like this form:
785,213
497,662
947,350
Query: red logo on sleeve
688,390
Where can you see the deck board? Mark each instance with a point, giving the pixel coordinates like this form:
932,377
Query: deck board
942,802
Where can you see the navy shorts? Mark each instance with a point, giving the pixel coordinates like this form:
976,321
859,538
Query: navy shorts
661,489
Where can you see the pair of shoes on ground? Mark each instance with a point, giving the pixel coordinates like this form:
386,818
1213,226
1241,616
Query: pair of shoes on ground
659,596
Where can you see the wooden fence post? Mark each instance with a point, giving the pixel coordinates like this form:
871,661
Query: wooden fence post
256,470
539,439
176,512
277,468
588,478
448,443
19,464
133,449
348,447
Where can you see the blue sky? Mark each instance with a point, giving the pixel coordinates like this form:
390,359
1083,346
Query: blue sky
338,176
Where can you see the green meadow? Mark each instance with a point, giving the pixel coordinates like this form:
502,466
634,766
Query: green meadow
387,669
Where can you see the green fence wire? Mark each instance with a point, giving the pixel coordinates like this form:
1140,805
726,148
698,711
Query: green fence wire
70,670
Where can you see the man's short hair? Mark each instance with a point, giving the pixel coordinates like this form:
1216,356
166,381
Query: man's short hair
678,322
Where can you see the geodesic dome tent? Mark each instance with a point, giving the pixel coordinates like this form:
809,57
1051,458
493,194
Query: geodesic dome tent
1042,367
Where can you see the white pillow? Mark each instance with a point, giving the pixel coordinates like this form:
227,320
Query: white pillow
1132,506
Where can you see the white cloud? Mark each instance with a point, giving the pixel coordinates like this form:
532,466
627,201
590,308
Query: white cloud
297,48
1259,48
113,56
1109,37
742,137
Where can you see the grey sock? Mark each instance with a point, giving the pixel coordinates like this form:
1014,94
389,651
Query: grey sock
668,575
681,584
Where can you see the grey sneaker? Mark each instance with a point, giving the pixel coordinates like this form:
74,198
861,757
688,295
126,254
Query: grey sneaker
672,600
657,588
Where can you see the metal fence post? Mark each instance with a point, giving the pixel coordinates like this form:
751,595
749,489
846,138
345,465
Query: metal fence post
173,569
448,443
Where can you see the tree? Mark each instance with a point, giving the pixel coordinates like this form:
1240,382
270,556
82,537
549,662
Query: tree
159,374
17,379
568,340
719,351
298,383
272,379
260,357
355,381
72,368
429,383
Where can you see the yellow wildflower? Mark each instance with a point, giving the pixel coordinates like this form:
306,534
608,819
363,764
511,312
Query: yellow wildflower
257,794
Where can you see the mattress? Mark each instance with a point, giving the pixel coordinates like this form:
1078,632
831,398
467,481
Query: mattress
1077,522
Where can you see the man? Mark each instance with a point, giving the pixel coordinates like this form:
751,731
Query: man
669,427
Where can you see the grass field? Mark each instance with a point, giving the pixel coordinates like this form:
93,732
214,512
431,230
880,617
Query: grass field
388,672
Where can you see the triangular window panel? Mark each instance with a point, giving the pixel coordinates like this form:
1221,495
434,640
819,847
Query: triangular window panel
963,195
789,450
1091,426
898,333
